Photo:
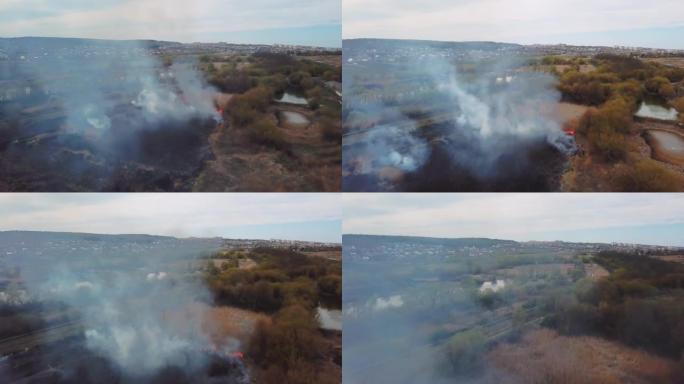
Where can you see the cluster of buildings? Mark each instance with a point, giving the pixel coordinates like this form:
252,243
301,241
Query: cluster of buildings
359,52
421,251
429,251
582,50
414,52
296,245
45,49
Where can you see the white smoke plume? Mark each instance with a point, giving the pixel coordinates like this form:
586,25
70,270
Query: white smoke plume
142,322
495,112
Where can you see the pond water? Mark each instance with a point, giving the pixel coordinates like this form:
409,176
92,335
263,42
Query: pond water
292,99
655,111
329,318
295,118
668,142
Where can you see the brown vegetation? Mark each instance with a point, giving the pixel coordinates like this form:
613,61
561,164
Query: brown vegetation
288,346
612,159
225,323
544,356
252,152
291,349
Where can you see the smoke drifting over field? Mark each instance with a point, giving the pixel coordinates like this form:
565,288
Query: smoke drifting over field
90,89
97,115
483,121
141,313
140,325
511,109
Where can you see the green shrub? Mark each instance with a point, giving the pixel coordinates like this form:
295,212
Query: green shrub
265,132
465,351
646,176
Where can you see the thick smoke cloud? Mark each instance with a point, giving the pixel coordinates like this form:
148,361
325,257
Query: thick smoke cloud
494,111
497,111
141,311
102,115
90,89
142,325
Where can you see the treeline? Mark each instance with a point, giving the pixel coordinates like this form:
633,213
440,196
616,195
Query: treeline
615,90
618,76
240,74
290,349
641,303
289,285
282,278
257,80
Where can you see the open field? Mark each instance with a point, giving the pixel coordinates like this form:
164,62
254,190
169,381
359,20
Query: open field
670,61
224,324
480,311
259,147
330,255
147,121
215,300
545,356
673,258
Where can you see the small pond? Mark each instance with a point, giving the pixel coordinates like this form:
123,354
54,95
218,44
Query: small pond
655,111
291,98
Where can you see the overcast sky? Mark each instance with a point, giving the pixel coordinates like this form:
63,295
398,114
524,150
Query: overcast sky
606,217
295,216
309,22
655,23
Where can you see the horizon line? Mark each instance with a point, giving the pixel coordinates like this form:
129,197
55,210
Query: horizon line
159,235
517,241
166,41
507,42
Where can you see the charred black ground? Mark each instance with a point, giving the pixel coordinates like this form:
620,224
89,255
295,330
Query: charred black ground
70,362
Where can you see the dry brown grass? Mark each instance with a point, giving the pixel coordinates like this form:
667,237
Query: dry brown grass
672,258
225,323
544,356
335,254
672,61
570,111
332,60
595,272
309,164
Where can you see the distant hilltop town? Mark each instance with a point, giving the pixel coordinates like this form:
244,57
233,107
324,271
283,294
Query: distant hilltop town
389,51
45,48
13,243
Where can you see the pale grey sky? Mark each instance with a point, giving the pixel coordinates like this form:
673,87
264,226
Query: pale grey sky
299,216
656,23
606,217
176,20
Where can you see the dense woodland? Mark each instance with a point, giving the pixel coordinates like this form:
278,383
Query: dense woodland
615,89
288,286
258,79
641,303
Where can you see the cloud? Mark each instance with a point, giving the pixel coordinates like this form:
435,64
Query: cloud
177,20
525,21
508,216
169,214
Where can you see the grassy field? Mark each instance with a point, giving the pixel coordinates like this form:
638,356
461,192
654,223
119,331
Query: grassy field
514,315
544,356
